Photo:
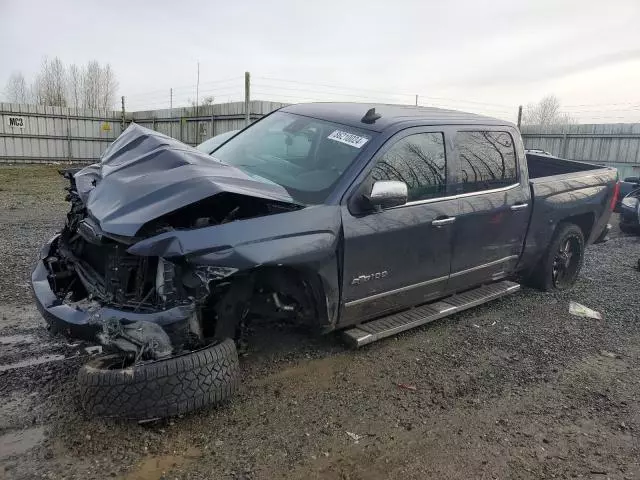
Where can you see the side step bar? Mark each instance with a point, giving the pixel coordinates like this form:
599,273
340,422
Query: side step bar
369,332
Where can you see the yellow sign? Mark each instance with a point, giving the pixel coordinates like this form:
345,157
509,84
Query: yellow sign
106,127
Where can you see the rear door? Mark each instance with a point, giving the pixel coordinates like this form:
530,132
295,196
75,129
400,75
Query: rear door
494,205
399,257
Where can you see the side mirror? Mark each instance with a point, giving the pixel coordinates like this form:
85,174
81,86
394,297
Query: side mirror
387,193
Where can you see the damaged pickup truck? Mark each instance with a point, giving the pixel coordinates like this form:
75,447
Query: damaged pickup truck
372,219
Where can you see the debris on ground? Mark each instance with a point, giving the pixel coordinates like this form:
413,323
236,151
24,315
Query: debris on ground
94,350
355,437
580,310
406,386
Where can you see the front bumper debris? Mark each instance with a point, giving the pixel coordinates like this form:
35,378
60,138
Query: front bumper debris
85,319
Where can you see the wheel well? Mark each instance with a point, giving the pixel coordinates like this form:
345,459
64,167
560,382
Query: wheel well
585,221
296,293
304,286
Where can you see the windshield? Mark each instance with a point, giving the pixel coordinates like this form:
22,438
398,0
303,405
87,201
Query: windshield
304,155
208,146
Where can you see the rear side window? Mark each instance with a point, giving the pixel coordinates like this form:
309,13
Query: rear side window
417,160
487,160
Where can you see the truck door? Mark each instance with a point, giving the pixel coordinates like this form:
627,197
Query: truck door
494,206
400,256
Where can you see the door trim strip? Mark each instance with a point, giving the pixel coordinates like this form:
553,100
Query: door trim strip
376,296
484,265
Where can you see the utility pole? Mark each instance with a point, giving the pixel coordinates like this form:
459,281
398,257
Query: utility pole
519,115
247,97
197,89
171,112
123,123
416,100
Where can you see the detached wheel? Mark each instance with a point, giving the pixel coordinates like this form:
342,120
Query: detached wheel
561,264
161,388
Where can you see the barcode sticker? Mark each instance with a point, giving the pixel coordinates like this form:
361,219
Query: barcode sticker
348,138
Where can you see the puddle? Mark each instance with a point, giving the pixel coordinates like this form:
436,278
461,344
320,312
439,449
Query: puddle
156,468
11,339
17,443
32,361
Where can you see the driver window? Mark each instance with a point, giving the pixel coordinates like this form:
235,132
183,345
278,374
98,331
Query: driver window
419,161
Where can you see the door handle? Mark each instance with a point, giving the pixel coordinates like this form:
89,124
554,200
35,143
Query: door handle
443,221
519,206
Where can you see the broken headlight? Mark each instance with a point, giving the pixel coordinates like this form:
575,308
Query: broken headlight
165,275
202,275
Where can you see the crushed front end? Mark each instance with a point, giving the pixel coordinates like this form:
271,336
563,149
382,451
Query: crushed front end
87,286
165,250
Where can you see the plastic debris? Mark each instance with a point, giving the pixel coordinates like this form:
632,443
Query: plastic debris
581,311
355,437
95,350
406,386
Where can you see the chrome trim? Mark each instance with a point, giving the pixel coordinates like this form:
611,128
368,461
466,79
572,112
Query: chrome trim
460,195
443,221
375,296
484,265
519,206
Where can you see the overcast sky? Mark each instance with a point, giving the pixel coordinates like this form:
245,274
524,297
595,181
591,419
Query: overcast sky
497,53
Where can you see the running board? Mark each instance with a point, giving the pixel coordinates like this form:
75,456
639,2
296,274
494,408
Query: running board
369,332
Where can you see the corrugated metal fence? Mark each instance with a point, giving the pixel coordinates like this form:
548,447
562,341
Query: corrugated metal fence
38,134
612,144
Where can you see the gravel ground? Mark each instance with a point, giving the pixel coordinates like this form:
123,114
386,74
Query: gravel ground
514,389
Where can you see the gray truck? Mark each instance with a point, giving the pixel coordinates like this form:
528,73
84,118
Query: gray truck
370,219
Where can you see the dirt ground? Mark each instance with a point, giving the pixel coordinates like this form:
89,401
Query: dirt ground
518,388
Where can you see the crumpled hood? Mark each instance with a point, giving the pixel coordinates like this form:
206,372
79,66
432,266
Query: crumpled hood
144,175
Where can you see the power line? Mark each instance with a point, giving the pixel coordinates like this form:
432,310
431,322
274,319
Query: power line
411,95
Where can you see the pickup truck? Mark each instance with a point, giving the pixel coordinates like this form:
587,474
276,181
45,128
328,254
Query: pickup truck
370,219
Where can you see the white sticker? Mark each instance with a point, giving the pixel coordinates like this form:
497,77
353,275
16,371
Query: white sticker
348,138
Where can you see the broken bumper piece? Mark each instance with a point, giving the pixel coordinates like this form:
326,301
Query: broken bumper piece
85,320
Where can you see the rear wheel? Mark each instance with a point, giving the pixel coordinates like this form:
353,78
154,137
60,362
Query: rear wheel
561,264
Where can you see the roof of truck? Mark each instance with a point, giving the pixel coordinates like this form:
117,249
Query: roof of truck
351,114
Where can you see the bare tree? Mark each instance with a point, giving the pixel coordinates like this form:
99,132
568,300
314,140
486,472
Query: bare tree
108,86
92,86
16,90
49,86
546,112
74,86
204,102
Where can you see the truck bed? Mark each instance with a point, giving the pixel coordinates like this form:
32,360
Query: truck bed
543,165
565,190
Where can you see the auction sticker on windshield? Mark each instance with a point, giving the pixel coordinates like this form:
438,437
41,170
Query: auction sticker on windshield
348,138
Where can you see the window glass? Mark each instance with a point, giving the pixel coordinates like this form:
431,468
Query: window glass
304,155
487,160
417,160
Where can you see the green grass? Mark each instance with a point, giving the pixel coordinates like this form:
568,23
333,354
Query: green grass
30,186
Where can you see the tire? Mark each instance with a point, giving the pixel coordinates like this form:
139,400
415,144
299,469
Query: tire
544,276
161,388
628,229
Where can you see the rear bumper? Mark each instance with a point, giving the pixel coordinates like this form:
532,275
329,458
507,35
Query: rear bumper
84,320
